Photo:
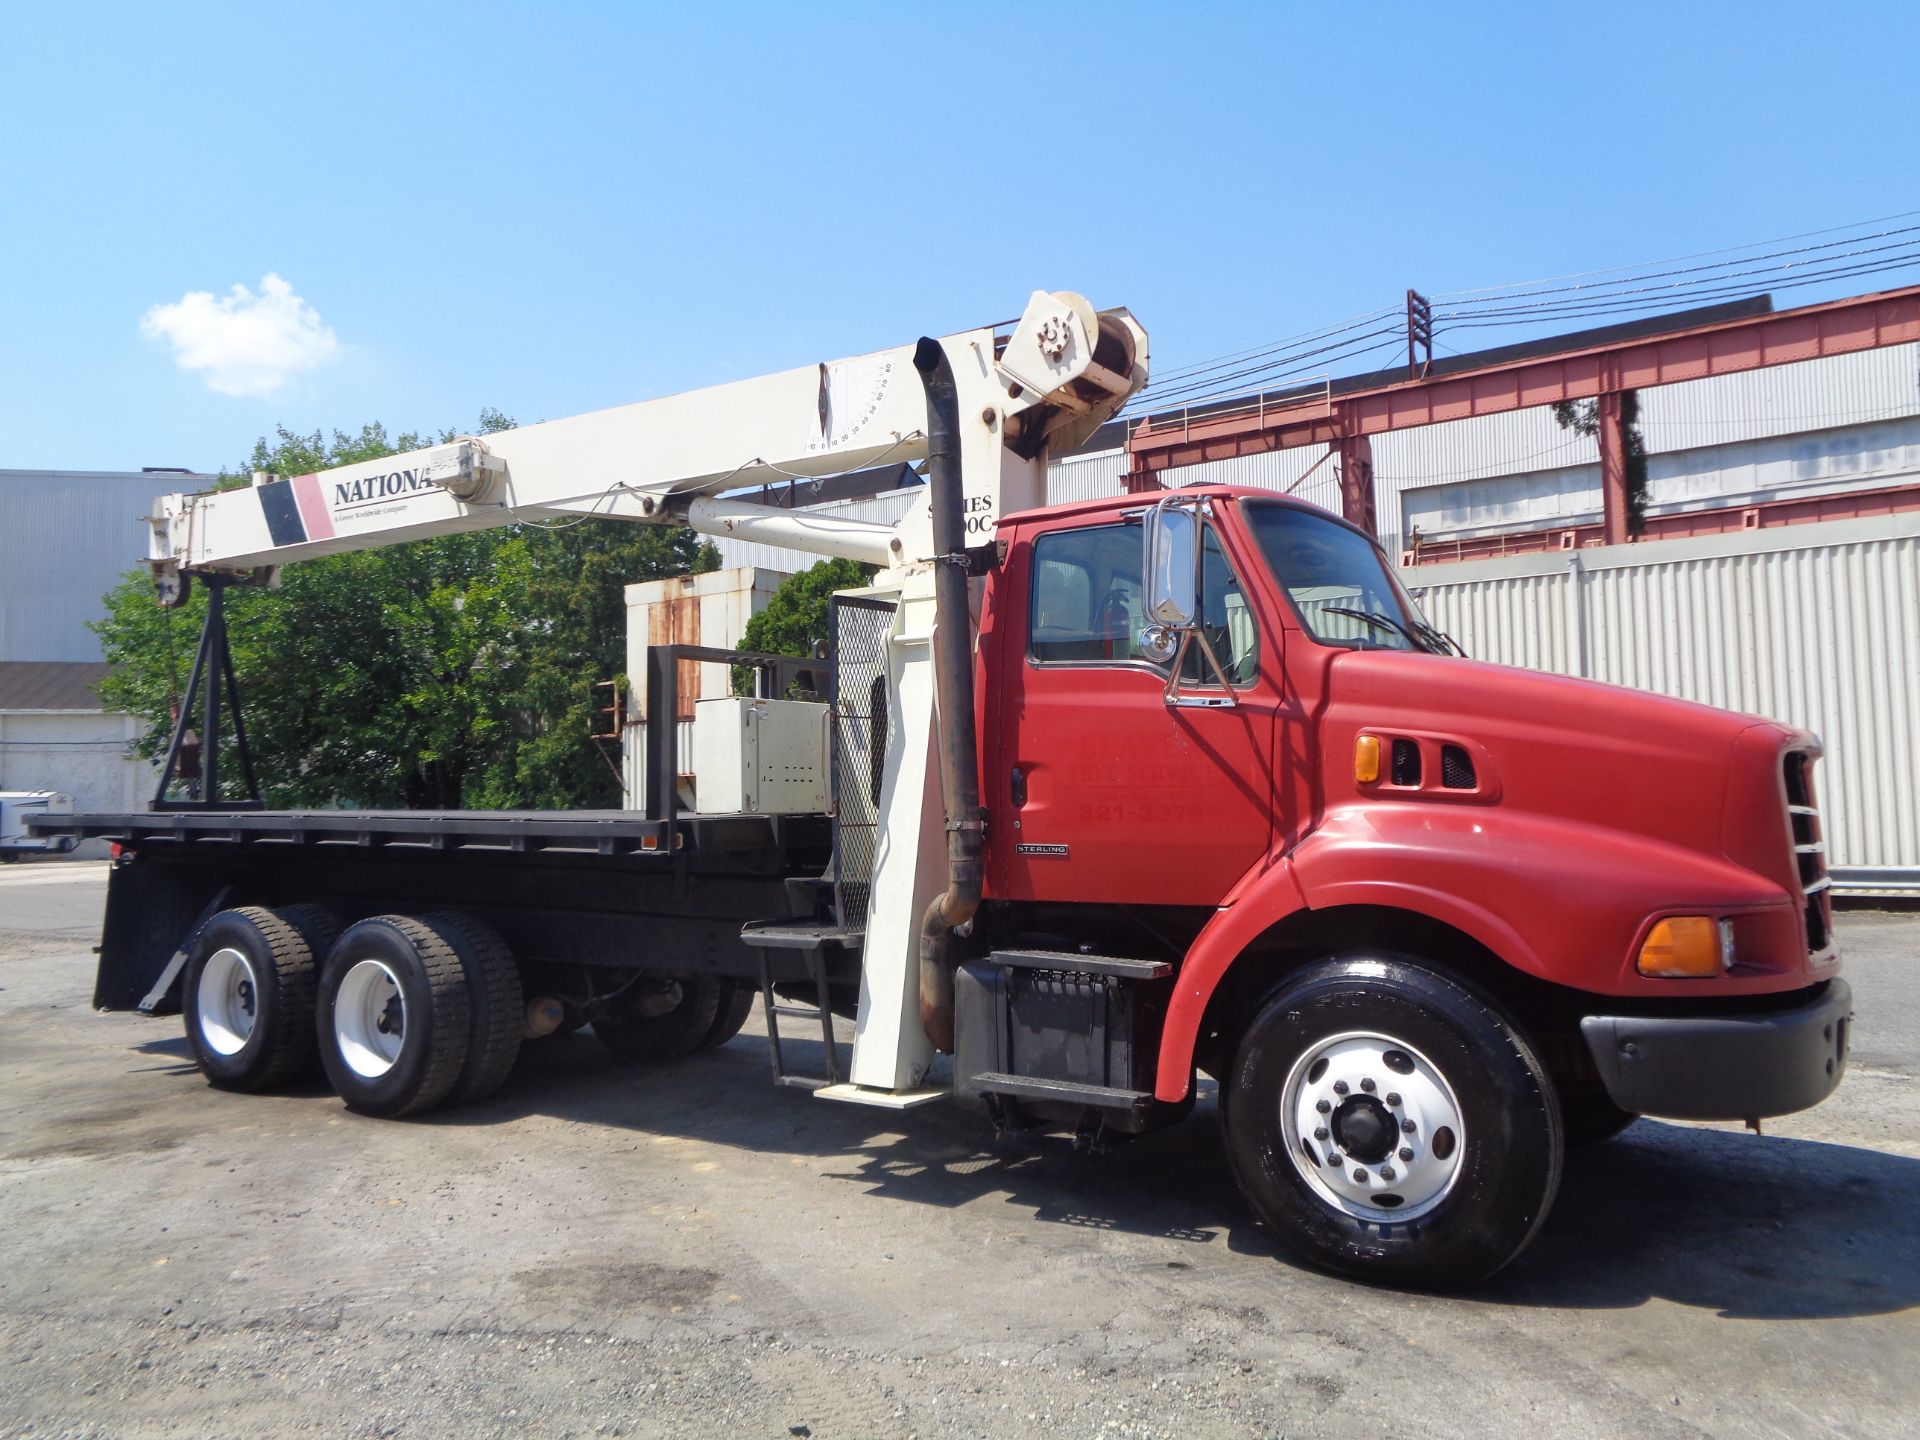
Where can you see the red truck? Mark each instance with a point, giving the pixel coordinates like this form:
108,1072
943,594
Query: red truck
1106,797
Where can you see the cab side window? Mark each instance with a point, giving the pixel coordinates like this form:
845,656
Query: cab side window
1085,606
1226,619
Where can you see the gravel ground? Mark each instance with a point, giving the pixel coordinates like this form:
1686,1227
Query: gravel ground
688,1251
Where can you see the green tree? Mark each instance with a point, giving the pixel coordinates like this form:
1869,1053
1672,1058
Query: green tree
1583,418
447,673
796,619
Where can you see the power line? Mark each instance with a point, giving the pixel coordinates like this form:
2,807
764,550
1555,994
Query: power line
1906,247
1290,343
1630,289
1596,308
1679,259
1275,370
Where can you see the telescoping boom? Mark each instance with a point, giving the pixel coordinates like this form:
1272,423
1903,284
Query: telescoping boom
1063,370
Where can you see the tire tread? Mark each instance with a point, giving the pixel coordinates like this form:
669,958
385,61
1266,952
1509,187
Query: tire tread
295,980
449,1020
1328,989
493,985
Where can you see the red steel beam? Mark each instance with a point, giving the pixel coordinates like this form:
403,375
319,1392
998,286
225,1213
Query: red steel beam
1611,418
1727,347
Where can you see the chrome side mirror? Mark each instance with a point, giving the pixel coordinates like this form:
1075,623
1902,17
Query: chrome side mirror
1170,559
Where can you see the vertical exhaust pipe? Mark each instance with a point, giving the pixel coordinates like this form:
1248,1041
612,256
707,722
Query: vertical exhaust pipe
953,689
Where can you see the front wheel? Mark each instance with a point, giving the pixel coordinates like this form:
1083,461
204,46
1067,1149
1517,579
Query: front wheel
1391,1124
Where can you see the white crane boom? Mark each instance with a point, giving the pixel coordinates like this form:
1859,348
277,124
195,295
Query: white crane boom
1064,369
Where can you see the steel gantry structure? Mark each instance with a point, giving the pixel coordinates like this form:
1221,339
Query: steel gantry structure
1601,367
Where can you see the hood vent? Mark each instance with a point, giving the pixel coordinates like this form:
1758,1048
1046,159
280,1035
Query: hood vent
1406,762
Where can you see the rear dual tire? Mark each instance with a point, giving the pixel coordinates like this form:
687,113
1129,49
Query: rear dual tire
415,1013
248,997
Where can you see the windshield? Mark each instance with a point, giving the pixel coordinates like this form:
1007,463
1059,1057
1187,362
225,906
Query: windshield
1337,581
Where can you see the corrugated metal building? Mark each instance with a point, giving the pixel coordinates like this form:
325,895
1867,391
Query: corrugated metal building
1815,625
1849,422
66,538
55,735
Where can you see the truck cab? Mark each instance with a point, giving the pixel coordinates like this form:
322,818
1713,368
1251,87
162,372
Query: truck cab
1353,849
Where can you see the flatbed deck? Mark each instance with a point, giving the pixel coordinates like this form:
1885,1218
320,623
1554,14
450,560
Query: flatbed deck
608,888
590,832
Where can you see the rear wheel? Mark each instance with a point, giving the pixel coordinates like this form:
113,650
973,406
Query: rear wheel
248,999
736,1003
395,1015
493,986
317,925
1390,1124
661,1018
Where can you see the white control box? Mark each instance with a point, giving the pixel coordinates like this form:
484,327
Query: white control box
760,757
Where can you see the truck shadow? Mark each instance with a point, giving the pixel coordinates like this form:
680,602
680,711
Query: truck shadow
1750,1227
1753,1227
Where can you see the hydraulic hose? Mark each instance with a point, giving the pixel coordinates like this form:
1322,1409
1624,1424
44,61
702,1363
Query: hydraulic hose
953,691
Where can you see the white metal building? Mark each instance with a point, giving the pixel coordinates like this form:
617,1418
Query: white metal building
56,735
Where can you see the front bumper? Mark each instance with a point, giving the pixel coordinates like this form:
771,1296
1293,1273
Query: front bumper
1731,1067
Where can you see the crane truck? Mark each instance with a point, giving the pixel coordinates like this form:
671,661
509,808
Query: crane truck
1094,799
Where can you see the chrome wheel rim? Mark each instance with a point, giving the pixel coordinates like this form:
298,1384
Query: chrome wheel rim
370,1019
1373,1127
227,1001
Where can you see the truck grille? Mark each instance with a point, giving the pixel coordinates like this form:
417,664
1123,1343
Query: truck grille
1809,850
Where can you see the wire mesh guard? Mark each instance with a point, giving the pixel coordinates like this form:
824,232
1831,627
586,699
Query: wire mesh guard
860,629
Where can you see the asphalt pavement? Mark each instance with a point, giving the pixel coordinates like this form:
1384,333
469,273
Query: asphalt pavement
688,1251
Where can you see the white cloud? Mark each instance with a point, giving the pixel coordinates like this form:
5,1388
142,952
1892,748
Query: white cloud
246,344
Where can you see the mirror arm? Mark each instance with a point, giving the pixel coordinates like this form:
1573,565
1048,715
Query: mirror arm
1171,695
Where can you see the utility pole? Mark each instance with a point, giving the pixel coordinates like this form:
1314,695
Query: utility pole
1419,335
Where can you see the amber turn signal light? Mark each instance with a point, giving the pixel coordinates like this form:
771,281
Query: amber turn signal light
1366,759
1682,947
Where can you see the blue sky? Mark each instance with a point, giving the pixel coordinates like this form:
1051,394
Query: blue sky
549,209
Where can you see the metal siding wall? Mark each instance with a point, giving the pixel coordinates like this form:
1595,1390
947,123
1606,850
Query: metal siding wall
1783,399
85,753
1547,474
1819,628
1517,622
66,538
1850,457
1086,477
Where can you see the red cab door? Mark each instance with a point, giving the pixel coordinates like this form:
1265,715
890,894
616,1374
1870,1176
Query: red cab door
1099,789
